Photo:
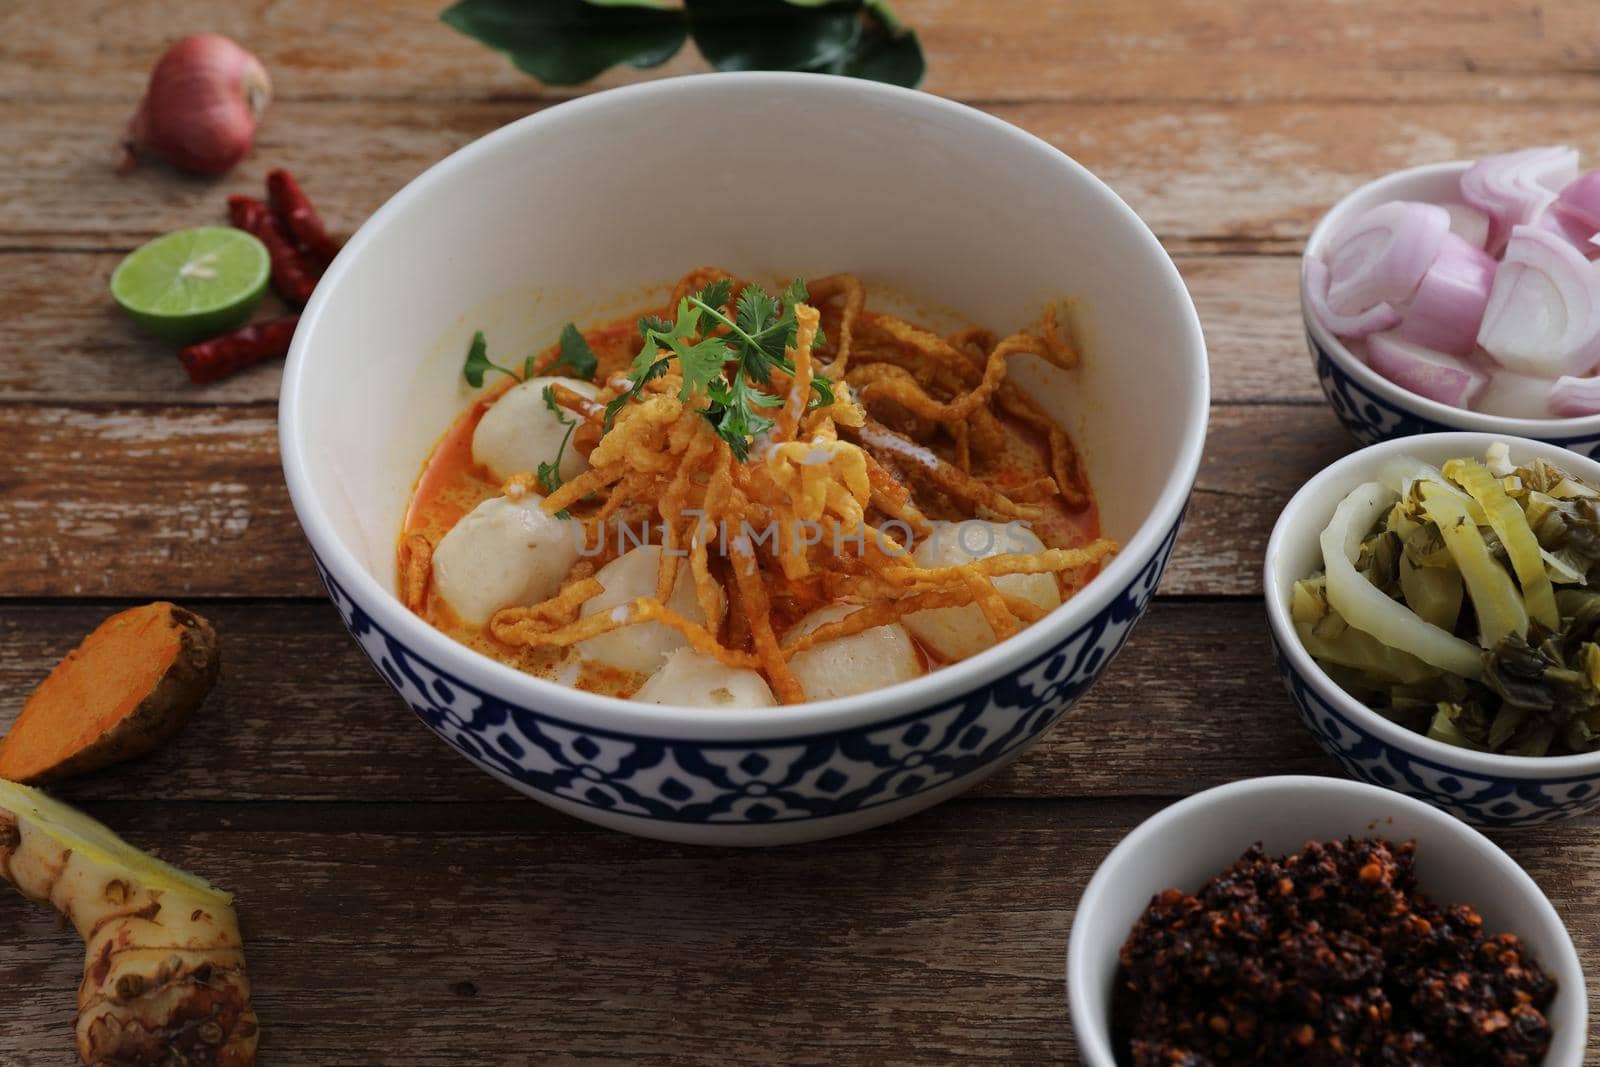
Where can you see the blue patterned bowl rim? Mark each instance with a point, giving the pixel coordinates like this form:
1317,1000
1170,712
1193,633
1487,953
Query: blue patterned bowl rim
519,688
1081,657
1405,185
1304,516
1370,418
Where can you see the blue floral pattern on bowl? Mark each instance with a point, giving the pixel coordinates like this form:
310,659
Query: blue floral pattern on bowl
1370,418
808,776
1483,800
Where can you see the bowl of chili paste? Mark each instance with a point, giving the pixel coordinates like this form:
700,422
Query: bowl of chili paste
1312,920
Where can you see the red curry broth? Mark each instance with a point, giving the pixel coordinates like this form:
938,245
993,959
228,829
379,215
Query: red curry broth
452,484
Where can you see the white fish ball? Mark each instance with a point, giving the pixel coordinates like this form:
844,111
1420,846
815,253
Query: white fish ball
844,667
642,646
693,679
519,431
504,552
955,633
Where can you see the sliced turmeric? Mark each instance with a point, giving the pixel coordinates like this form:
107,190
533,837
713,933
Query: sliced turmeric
164,979
130,686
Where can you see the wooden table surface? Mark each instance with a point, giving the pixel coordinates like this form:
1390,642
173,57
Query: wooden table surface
399,906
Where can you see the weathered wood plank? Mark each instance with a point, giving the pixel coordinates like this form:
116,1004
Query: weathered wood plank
1246,176
189,501
301,708
1483,50
939,940
99,502
67,344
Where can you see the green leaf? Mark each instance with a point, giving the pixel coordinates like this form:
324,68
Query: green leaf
549,394
478,363
773,34
701,363
653,324
549,474
575,353
886,50
717,293
756,310
565,42
823,387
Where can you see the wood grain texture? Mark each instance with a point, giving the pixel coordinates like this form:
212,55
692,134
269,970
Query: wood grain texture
66,343
1487,51
301,708
1245,177
189,501
372,939
399,906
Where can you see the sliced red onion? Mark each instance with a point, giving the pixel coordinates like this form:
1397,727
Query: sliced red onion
1543,316
1514,188
1572,398
1516,396
1435,375
1381,256
1570,230
1580,201
1381,317
1469,224
1448,308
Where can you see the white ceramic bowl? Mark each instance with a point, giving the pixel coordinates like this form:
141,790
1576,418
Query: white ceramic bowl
1372,407
1481,787
1188,843
588,210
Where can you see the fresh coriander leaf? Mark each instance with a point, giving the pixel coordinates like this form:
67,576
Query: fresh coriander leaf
549,394
549,477
701,363
639,378
527,367
762,399
727,369
614,408
756,310
575,353
565,42
716,294
653,324
478,363
823,387
549,474
795,292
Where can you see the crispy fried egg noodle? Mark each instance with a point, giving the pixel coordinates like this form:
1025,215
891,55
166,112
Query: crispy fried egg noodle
824,510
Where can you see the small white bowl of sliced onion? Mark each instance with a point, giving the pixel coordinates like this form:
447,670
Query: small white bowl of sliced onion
1462,296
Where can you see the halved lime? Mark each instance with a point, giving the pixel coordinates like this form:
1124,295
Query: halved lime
193,284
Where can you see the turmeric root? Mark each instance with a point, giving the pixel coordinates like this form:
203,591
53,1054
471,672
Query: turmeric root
125,690
163,979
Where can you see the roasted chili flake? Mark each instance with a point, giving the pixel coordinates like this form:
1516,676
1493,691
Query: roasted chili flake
1327,956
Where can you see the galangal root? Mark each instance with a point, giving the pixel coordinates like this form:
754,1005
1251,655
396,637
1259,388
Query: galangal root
129,687
164,979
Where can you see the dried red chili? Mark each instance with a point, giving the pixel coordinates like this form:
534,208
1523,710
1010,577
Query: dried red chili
222,356
1330,955
293,274
297,216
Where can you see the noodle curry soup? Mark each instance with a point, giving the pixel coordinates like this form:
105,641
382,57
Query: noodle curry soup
745,499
